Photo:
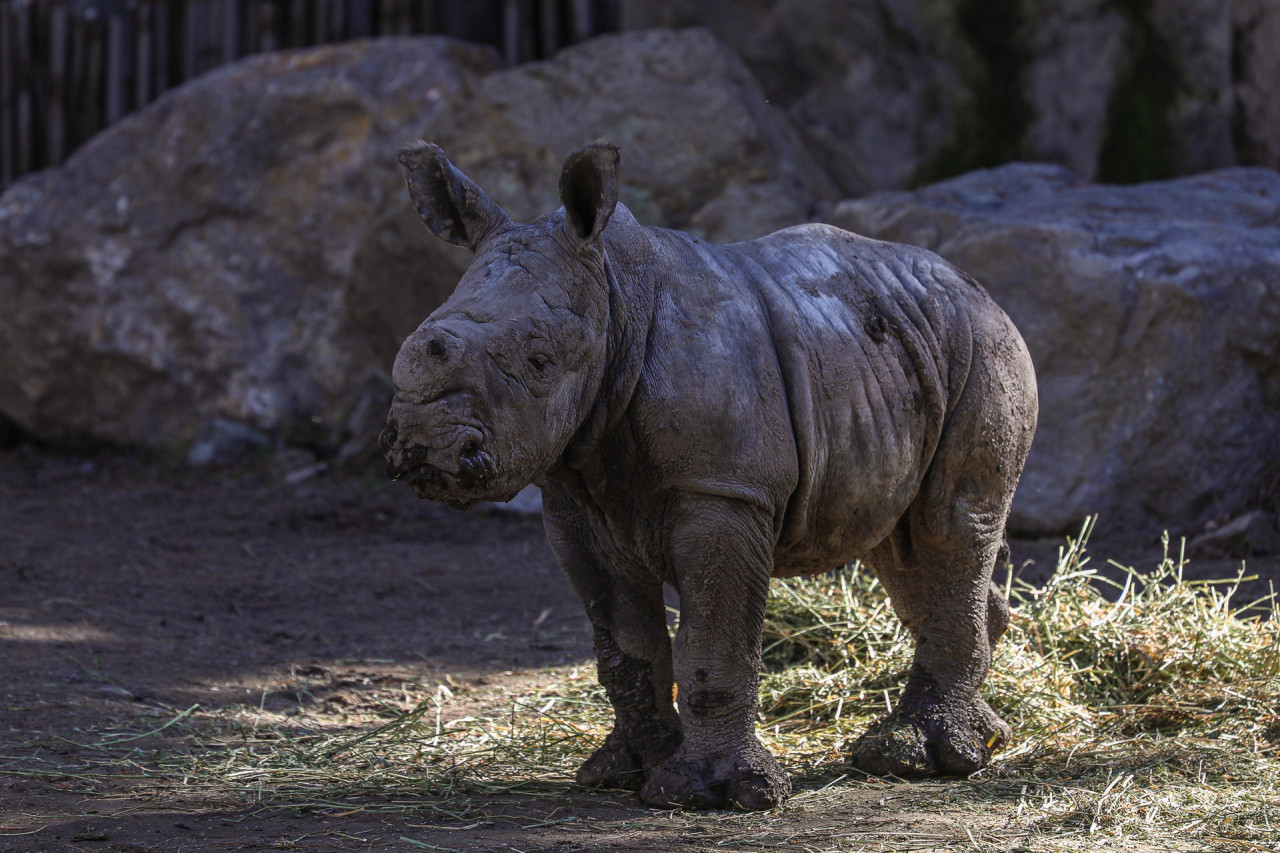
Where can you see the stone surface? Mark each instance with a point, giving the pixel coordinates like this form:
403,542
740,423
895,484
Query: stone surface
701,149
1199,36
1153,316
1129,91
1256,29
222,442
873,88
241,249
891,93
244,248
1255,533
1075,52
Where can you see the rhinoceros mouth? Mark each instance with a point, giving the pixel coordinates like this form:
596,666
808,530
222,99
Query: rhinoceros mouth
473,481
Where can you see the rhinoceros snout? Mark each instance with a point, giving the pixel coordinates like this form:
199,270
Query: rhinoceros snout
463,464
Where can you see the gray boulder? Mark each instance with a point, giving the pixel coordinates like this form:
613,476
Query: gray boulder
874,88
1128,91
702,150
243,251
1153,316
1199,37
891,93
1075,55
1255,533
240,250
1256,28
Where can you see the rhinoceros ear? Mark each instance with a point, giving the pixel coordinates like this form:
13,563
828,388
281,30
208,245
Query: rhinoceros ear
589,191
451,204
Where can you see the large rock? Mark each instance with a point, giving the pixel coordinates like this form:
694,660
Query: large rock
1256,28
1130,91
873,87
240,249
891,93
1075,55
1199,37
1153,315
243,250
701,148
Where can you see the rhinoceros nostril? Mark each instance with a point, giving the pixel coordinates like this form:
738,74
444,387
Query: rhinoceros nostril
435,349
475,466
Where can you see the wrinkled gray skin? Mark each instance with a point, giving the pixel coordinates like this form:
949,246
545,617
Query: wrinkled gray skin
711,417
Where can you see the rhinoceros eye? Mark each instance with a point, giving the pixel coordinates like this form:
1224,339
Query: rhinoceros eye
538,362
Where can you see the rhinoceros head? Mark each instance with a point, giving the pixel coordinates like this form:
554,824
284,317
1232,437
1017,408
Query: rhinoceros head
492,386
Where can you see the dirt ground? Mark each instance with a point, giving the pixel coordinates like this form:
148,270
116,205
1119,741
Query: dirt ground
130,591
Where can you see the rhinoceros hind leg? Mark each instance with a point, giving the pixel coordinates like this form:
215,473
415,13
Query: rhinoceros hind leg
948,741
941,726
937,568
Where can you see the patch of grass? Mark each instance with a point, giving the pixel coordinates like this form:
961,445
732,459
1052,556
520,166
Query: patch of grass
1149,716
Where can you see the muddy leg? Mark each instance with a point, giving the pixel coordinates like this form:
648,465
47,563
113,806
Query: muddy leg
937,568
633,654
722,554
910,612
646,729
997,614
940,725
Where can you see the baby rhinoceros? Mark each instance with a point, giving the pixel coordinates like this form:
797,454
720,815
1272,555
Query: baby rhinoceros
713,416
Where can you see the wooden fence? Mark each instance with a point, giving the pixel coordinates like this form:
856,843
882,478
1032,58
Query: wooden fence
69,68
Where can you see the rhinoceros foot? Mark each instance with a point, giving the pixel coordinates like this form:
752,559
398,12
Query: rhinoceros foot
749,778
623,759
939,740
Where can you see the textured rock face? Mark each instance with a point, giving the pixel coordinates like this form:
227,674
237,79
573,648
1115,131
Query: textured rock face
888,93
241,249
1256,25
701,149
1076,50
873,88
1128,91
244,249
1199,35
1153,316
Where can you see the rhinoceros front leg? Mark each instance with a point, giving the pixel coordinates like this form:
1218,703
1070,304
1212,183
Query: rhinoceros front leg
633,663
633,652
721,554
